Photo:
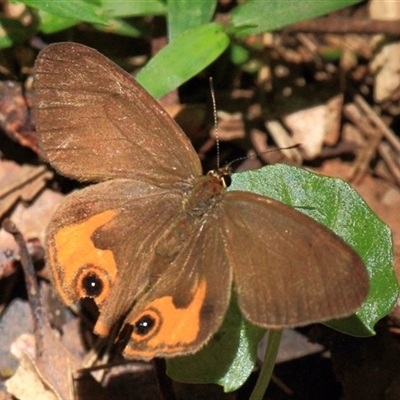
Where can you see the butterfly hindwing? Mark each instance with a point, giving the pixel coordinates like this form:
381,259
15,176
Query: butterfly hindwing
108,230
188,303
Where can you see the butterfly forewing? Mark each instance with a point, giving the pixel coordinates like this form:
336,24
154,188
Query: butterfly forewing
89,109
288,269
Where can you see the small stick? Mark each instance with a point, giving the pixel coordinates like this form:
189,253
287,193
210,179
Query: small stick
32,287
374,117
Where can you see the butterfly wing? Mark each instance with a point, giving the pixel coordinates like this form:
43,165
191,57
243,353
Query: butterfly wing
95,122
186,306
100,243
288,270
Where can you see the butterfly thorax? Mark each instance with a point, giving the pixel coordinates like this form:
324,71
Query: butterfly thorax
205,194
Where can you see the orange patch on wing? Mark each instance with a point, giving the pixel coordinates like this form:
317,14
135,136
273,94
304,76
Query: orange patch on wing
101,329
178,326
73,249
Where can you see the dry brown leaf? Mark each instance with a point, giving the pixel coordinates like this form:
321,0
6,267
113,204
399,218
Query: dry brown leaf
32,222
22,183
308,128
48,374
26,383
385,63
15,118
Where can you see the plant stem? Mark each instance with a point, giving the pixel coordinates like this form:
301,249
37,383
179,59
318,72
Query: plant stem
274,339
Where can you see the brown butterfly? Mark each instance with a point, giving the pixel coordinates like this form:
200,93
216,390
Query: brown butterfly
158,243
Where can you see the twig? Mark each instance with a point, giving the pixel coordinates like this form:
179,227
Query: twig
32,286
342,25
374,117
373,138
385,152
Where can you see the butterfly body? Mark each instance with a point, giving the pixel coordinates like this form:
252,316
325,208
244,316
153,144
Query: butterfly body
207,191
157,243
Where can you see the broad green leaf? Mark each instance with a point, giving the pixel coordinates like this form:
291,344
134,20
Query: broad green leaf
183,58
228,358
257,16
84,10
187,14
333,203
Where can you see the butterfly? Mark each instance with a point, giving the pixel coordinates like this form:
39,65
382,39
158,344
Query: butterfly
157,243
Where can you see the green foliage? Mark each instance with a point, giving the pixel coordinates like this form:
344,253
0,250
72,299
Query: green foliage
227,360
69,9
184,15
188,22
208,42
256,16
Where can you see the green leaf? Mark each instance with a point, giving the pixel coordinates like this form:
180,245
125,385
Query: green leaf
239,54
183,58
333,203
51,23
257,16
111,11
84,10
120,27
228,358
120,9
188,14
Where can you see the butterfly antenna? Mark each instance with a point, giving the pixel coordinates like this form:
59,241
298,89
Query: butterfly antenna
214,105
295,146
